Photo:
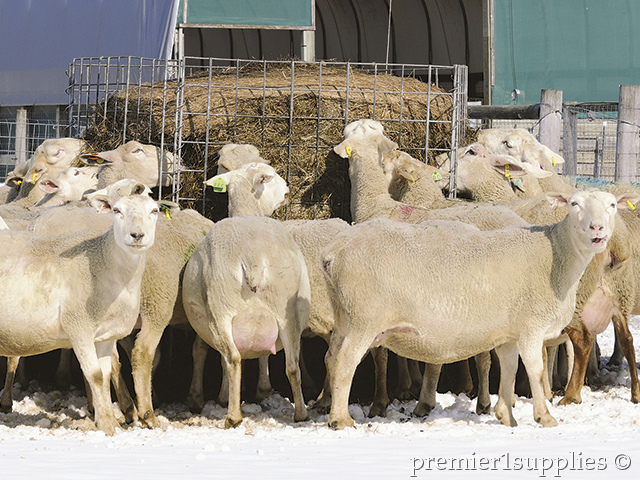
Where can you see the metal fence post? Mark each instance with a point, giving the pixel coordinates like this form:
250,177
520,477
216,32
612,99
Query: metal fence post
628,141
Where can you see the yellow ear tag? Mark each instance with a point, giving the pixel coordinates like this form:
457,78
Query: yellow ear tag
18,183
219,185
348,150
506,171
34,178
631,205
412,181
553,161
167,211
436,176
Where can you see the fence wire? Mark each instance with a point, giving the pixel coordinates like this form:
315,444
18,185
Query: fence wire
194,106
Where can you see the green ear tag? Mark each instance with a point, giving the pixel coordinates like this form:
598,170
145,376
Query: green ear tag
436,176
219,185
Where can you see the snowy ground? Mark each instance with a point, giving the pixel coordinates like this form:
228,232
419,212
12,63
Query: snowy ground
46,436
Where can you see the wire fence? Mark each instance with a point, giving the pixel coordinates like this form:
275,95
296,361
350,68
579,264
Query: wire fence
292,111
596,133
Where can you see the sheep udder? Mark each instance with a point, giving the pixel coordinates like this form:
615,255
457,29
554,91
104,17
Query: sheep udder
255,333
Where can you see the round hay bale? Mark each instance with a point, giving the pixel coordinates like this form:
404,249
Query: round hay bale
294,124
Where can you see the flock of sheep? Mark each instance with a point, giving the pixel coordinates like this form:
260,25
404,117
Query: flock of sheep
89,257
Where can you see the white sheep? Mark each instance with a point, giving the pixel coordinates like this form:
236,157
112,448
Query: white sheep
50,159
608,289
71,185
147,164
254,189
522,145
370,198
404,300
234,155
246,293
94,301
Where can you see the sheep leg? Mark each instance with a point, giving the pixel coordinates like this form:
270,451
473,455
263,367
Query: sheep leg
347,357
404,379
323,402
63,372
143,357
264,388
508,359
195,399
427,400
547,354
618,354
532,357
6,401
291,344
483,365
233,364
621,326
582,340
125,402
95,362
380,397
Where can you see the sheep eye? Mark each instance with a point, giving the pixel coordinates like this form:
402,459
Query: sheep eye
574,204
117,211
155,211
506,144
137,150
471,151
77,173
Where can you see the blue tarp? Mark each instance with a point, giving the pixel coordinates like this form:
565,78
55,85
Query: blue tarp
40,38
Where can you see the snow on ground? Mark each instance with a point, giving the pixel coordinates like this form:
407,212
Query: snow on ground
48,436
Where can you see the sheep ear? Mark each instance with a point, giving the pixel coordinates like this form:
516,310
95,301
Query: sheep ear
628,200
101,203
506,167
139,189
261,178
341,149
386,145
556,199
218,183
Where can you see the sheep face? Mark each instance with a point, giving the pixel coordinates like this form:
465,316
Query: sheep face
593,215
133,160
56,154
521,144
70,185
134,223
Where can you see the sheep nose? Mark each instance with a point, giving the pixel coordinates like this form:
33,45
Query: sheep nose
137,236
596,228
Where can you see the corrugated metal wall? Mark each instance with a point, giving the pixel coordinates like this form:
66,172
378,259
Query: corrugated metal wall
433,32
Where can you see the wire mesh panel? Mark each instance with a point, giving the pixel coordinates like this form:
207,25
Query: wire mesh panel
292,111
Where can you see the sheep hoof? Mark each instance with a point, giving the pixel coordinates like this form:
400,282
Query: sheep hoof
568,400
301,417
6,408
422,409
483,409
547,421
148,420
232,423
195,406
378,410
340,424
635,398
